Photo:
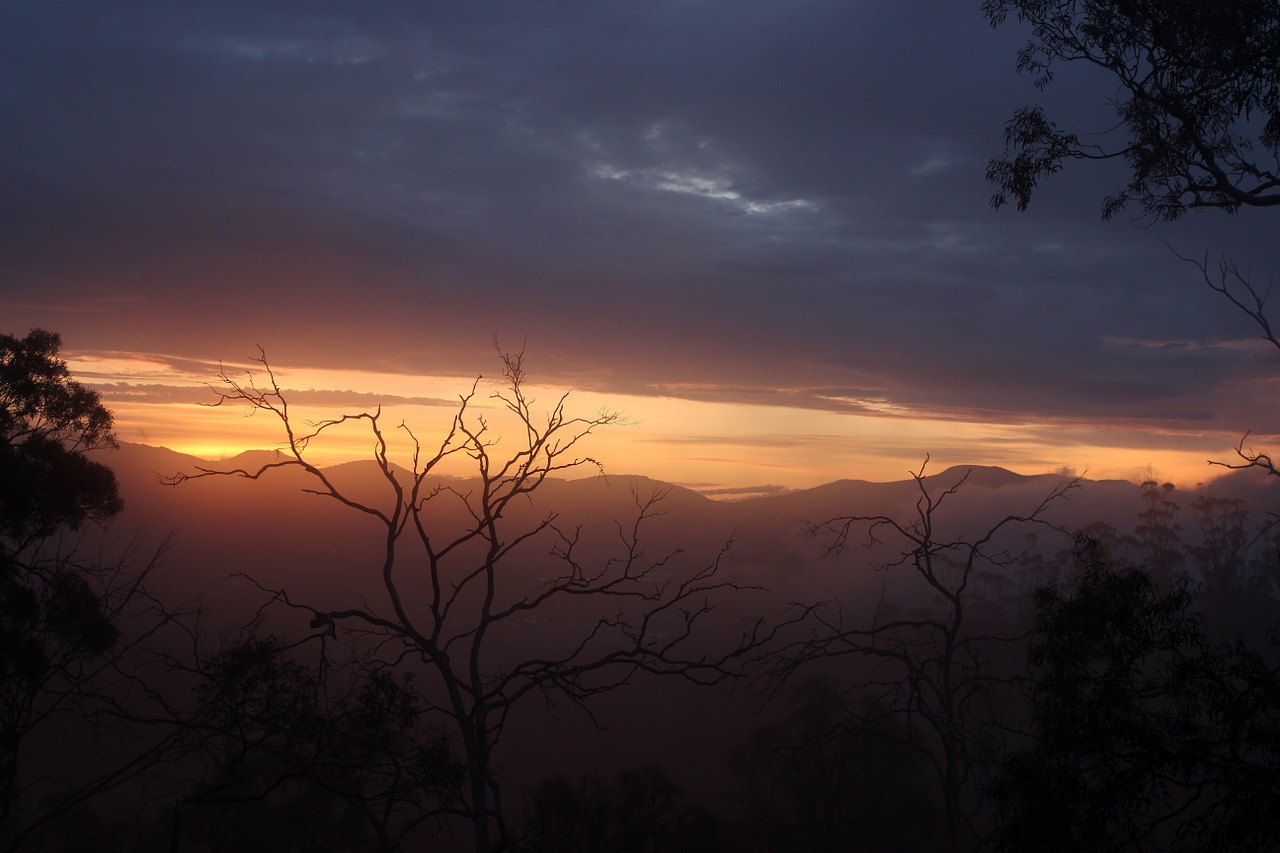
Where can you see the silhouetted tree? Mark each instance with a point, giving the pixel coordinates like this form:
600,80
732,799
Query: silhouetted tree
828,780
1197,92
330,756
1197,95
1238,556
935,668
637,811
1222,555
1159,533
453,594
63,616
1148,735
47,422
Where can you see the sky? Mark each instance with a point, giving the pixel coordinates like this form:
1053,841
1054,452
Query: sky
760,230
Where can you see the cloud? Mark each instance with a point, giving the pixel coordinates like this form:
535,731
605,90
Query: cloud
734,492
339,51
778,204
931,166
123,392
714,188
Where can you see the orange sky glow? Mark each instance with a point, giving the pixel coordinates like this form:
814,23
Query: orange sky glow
719,448
782,267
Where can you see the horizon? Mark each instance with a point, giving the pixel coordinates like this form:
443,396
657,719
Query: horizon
584,473
172,409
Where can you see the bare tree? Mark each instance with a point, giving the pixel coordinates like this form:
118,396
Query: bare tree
935,669
452,593
1239,288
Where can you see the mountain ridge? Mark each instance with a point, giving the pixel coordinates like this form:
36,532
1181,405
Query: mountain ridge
136,463
169,462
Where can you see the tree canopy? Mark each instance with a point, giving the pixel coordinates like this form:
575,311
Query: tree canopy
59,613
1197,97
1149,736
47,421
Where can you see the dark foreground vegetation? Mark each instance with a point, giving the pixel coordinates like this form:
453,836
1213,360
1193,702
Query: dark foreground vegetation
376,657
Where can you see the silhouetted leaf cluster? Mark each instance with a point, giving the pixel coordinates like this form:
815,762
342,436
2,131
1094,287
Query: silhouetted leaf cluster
636,811
1147,734
47,421
1197,97
276,732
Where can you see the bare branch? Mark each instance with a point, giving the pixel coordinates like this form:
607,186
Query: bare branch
932,668
450,596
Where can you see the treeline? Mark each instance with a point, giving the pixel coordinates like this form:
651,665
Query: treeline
1009,685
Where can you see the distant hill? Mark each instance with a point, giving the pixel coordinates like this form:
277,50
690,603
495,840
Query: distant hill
250,460
985,476
767,531
140,467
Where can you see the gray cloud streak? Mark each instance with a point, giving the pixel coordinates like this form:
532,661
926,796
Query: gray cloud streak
782,203
159,393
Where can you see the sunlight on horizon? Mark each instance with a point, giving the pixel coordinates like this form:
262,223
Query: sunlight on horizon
719,447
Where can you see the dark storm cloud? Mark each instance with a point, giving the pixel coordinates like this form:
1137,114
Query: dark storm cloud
768,198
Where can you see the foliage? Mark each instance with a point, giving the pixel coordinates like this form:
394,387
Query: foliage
62,615
1148,735
828,779
47,421
313,756
639,811
1197,98
1159,532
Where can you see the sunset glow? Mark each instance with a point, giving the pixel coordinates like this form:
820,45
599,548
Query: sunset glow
780,264
721,449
